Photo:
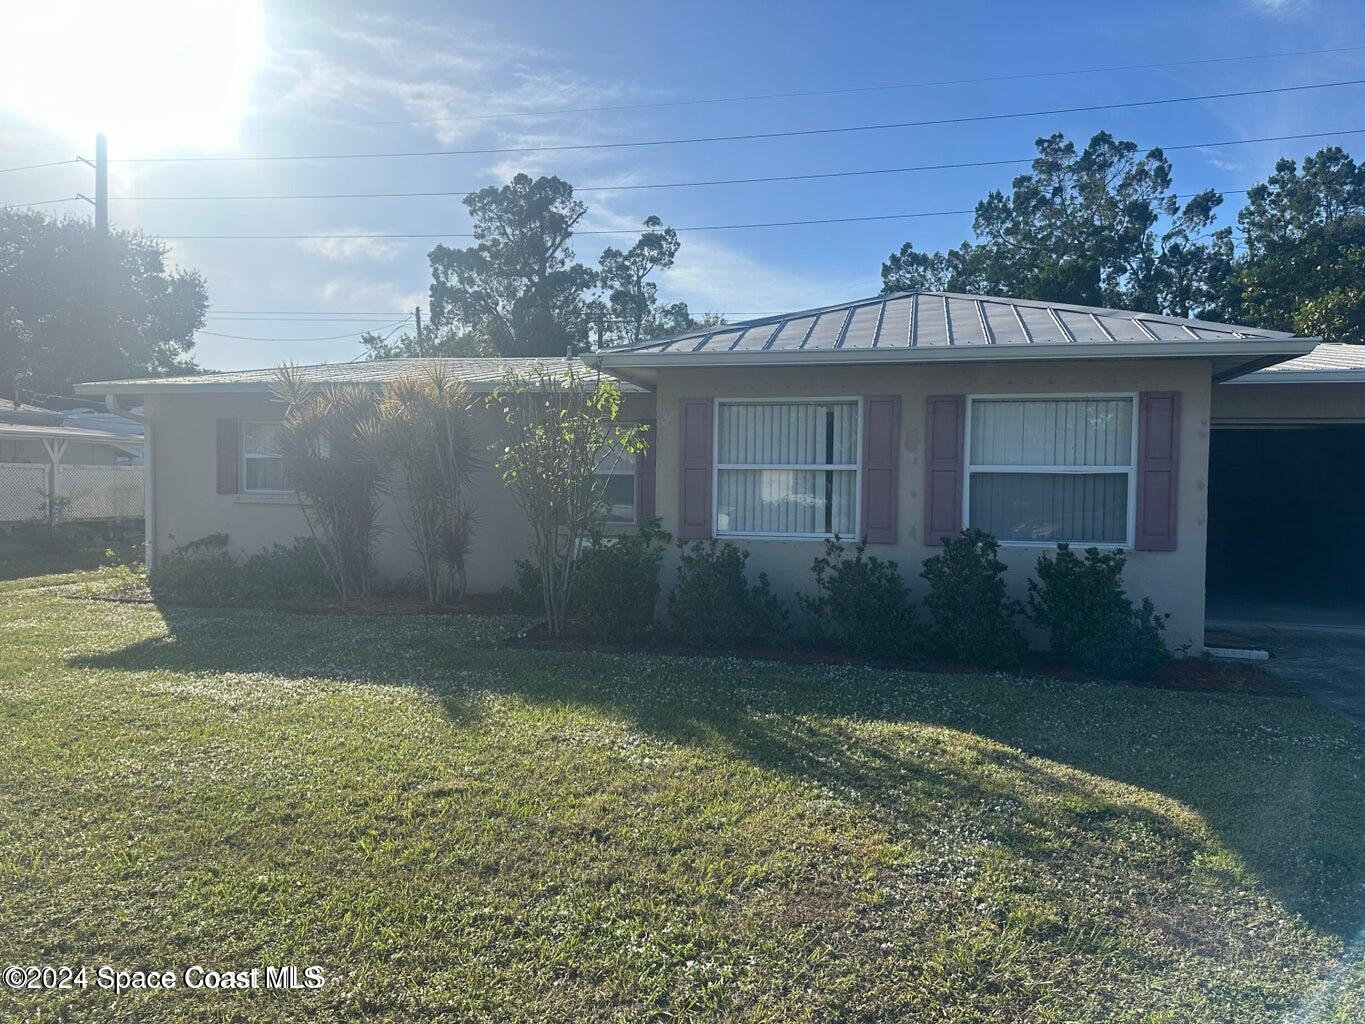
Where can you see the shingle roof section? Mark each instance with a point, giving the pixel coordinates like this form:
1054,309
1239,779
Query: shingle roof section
478,373
1326,358
927,319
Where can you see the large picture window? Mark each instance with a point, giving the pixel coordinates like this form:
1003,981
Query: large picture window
787,469
262,465
1045,470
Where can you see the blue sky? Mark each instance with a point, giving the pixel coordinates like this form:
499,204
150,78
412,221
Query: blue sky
223,78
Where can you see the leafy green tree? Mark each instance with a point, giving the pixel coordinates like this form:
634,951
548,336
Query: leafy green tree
629,307
518,291
1303,268
1096,227
558,430
52,324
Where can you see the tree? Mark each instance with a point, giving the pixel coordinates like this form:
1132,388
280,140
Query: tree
630,304
52,324
332,446
1303,268
558,430
429,434
1098,227
518,291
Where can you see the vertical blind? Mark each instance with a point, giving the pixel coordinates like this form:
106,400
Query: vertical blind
1090,438
787,468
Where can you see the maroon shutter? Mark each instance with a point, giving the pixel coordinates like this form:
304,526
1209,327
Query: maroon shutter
1157,469
881,449
694,513
644,475
229,456
945,425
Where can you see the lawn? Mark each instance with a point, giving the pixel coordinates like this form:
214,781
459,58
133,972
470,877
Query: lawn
457,830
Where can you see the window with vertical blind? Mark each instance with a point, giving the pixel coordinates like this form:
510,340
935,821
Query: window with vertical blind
1045,470
787,468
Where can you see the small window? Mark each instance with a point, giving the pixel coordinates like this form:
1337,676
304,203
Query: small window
262,465
616,482
787,469
1045,470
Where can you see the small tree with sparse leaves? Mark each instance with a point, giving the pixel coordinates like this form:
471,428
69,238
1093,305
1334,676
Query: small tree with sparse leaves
560,428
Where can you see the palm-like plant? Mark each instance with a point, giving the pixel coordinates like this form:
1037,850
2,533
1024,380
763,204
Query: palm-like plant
331,441
428,433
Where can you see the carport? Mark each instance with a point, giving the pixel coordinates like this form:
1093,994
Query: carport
1286,512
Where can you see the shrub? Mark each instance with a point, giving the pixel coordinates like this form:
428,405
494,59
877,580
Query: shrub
861,605
616,584
205,570
971,617
1090,621
283,571
527,595
199,569
712,605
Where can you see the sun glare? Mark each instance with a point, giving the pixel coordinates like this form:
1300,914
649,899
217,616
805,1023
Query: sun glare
155,74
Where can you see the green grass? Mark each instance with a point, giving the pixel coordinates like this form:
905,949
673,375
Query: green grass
456,830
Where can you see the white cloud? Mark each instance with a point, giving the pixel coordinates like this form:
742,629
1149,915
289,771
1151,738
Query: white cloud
1279,8
357,249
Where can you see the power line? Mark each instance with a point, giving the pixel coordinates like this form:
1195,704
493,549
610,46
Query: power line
764,179
754,97
629,231
751,136
41,202
36,167
331,337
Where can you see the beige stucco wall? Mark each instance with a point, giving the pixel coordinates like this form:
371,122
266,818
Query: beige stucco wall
1235,403
188,506
1174,580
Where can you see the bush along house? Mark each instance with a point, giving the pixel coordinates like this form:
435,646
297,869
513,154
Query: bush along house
1201,449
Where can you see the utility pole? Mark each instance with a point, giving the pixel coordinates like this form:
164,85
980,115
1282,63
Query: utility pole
417,312
101,186
103,316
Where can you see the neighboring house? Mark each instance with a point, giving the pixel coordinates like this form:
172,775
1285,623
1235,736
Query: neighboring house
901,418
67,474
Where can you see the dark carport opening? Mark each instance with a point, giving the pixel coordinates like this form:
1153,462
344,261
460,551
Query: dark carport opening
1287,516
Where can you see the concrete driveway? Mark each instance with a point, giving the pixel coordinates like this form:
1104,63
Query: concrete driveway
1325,659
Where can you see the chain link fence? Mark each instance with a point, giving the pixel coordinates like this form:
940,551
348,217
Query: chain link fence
84,493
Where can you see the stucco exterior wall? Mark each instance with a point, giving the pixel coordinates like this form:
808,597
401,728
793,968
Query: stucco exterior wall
187,505
1247,404
1174,579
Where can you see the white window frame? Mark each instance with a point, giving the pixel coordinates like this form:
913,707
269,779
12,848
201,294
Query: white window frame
634,489
257,455
968,469
717,466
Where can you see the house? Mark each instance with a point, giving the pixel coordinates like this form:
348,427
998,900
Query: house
901,418
78,464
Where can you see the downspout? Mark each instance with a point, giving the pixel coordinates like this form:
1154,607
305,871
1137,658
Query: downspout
148,479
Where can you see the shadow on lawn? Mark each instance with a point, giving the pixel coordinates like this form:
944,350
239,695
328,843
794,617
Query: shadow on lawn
1277,781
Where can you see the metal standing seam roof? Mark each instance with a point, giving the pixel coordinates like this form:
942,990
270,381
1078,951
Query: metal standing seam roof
935,320
480,374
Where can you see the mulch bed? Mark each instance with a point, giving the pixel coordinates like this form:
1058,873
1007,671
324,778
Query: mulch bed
1189,674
